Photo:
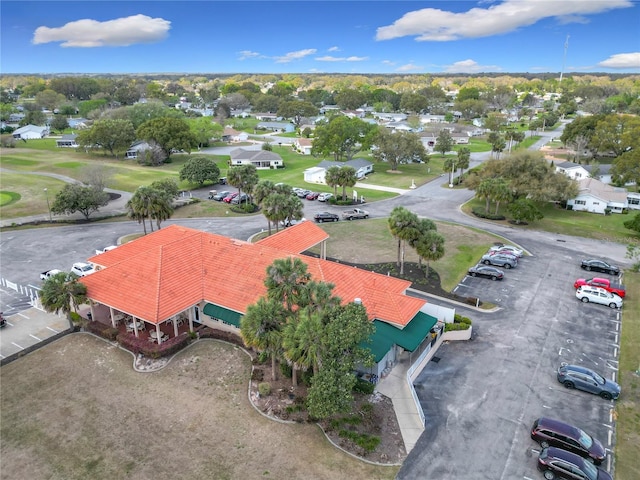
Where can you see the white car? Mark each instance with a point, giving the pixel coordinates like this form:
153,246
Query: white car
82,269
324,197
507,248
598,295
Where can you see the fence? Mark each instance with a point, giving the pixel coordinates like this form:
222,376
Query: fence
29,291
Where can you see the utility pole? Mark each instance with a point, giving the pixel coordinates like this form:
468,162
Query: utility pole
564,58
46,192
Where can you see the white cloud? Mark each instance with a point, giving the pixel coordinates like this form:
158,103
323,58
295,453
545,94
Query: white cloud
432,24
409,67
244,54
469,66
333,49
289,57
622,60
389,62
120,32
329,58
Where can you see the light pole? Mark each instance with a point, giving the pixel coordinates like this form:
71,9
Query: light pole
453,165
46,192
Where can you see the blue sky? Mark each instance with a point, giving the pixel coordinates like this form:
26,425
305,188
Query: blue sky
371,36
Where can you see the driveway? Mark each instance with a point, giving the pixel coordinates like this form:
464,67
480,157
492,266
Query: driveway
481,397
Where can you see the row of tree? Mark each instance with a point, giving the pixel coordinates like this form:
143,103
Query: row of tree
302,323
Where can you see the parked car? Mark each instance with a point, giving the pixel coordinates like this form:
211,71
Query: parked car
238,199
506,261
222,181
554,433
507,248
303,193
599,266
218,197
326,217
82,269
558,463
312,195
3,321
290,222
508,253
608,285
324,197
598,295
583,378
486,272
230,197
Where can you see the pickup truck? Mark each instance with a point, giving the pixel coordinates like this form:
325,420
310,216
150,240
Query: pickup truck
605,283
354,214
49,273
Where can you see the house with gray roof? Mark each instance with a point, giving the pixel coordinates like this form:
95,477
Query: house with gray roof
597,197
317,174
67,140
261,159
30,132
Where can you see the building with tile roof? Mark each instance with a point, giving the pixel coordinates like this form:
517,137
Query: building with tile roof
209,279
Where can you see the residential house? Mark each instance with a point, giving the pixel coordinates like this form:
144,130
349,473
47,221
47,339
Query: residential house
390,117
16,117
432,119
261,159
633,199
267,117
77,123
67,140
572,170
174,274
276,126
597,197
303,145
137,149
399,126
231,135
317,174
30,132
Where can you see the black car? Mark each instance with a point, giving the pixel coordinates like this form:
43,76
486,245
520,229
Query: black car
599,266
558,463
326,217
554,433
486,272
3,321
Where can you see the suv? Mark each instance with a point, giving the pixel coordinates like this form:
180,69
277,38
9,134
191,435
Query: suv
582,378
500,260
558,463
326,217
82,269
554,433
598,295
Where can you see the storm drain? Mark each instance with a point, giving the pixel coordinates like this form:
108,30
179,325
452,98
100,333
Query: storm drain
435,359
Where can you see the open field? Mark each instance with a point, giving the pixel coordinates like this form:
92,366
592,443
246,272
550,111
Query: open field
628,408
76,409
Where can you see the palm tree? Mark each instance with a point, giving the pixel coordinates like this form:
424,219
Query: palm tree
332,178
404,226
63,293
348,178
161,207
261,192
485,190
261,328
285,280
449,165
430,246
464,156
501,192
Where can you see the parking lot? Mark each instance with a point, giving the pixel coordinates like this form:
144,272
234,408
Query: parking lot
481,397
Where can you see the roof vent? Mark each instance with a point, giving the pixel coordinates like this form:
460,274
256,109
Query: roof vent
357,301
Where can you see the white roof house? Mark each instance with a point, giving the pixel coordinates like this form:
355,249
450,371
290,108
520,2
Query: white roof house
572,170
597,197
261,159
317,174
30,132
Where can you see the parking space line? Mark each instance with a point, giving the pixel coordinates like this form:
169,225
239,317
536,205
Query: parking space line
527,478
615,352
1,356
608,463
33,336
546,406
14,343
23,316
53,330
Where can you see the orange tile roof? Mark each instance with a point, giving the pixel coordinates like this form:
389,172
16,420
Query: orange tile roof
163,273
297,238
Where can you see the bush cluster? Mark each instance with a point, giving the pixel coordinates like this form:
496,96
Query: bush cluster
264,389
141,345
102,330
459,323
480,213
206,332
362,386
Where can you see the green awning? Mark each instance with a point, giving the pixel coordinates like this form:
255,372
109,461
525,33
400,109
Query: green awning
221,313
409,338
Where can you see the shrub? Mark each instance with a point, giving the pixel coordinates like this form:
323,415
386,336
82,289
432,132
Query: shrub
460,319
305,377
102,330
362,386
286,369
480,213
141,345
451,327
264,389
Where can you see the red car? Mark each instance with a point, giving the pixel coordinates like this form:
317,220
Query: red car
605,283
230,197
312,195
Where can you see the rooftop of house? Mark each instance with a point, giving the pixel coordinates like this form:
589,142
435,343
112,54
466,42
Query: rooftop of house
161,274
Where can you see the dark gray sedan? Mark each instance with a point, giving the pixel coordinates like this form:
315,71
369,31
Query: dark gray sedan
485,271
582,378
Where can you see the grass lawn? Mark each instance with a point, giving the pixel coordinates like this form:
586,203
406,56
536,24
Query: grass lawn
627,449
76,409
375,244
569,222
